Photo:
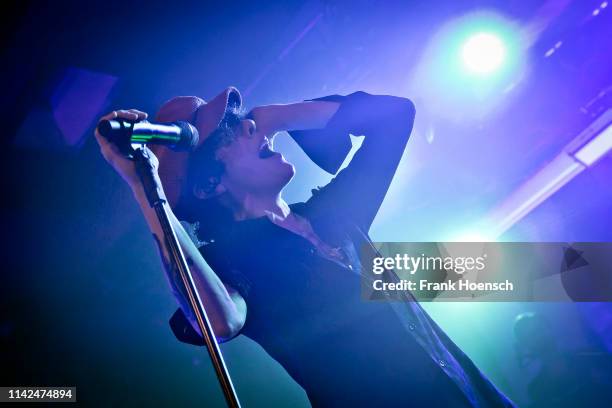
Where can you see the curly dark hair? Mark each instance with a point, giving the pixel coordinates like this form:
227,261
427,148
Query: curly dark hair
205,171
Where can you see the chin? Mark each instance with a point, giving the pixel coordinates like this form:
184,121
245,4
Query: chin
279,175
288,171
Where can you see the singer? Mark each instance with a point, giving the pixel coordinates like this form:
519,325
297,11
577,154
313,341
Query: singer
287,275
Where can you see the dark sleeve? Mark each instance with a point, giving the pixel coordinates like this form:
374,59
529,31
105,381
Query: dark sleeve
182,329
358,190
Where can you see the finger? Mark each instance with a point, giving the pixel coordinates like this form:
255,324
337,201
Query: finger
130,114
109,116
126,114
102,141
141,115
105,145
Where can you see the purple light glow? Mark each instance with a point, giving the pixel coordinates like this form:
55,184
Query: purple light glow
71,115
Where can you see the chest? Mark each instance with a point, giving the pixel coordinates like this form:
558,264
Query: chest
280,261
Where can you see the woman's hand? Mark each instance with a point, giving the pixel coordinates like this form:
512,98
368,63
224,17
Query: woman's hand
122,165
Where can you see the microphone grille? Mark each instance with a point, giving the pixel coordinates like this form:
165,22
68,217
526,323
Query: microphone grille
189,137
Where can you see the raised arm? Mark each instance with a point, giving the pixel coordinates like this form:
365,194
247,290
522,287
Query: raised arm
293,116
306,122
321,127
225,307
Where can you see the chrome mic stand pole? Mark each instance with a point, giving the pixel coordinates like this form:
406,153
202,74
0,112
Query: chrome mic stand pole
157,201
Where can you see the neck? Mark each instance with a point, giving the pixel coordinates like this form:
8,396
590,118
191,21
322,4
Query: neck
252,206
277,211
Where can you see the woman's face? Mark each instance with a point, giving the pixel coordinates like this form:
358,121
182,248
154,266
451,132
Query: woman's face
251,166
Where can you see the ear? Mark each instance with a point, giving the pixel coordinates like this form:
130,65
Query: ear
213,188
248,127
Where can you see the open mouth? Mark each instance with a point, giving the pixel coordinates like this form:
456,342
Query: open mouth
265,151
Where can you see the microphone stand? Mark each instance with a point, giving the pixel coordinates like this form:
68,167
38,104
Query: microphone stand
157,201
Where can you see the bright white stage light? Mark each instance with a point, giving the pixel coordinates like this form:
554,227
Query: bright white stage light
483,53
592,144
596,148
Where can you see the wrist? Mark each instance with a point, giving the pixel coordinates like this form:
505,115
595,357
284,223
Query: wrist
139,193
